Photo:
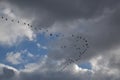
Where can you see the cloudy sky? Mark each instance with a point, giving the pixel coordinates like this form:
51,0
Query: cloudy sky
38,52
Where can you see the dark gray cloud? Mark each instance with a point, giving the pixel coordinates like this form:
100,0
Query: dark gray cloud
104,32
68,8
100,20
7,73
48,12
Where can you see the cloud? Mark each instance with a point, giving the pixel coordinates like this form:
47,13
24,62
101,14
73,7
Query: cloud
46,67
68,8
14,58
7,72
96,20
40,46
43,67
63,12
102,70
101,33
12,32
21,57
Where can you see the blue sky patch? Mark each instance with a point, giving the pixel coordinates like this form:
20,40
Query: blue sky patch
85,65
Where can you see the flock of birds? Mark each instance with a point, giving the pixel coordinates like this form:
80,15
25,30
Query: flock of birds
77,44
28,25
12,20
76,47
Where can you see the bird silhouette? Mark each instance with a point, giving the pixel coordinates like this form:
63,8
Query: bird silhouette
2,17
6,19
12,20
50,34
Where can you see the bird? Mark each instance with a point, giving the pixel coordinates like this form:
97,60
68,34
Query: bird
50,34
77,40
28,24
12,20
40,29
76,59
6,19
86,44
79,55
24,23
80,37
2,17
47,30
61,46
78,48
35,28
86,41
64,46
72,35
74,45
83,46
57,35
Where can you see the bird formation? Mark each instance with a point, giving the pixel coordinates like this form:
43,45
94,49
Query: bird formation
77,45
38,28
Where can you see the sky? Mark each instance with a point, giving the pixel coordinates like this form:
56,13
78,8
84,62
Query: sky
40,51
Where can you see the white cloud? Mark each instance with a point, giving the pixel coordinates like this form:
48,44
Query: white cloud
46,67
9,67
106,66
30,55
19,57
14,58
12,32
40,46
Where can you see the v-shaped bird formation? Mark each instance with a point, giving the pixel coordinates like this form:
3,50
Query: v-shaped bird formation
73,46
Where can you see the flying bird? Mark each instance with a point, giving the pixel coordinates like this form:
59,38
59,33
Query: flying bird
57,35
6,19
12,20
28,24
2,17
24,23
51,34
72,35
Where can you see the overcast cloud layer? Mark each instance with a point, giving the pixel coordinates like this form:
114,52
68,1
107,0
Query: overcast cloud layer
92,18
96,20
